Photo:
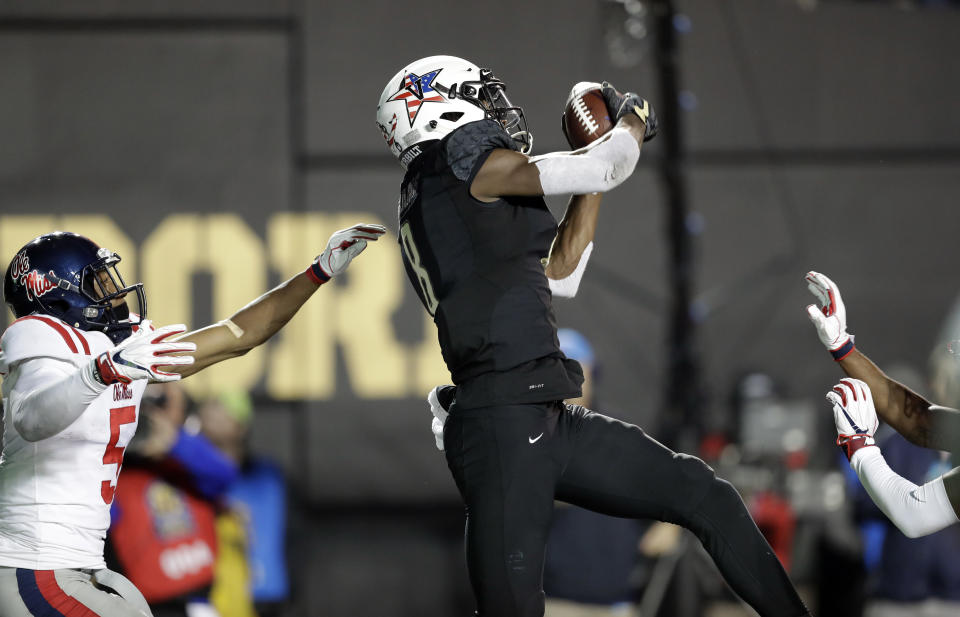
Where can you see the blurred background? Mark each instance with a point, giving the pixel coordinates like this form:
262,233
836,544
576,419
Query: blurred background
216,144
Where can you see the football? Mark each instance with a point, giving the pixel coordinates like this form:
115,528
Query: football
585,116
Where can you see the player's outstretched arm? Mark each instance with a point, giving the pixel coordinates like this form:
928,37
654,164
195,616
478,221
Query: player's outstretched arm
258,321
597,168
915,510
910,414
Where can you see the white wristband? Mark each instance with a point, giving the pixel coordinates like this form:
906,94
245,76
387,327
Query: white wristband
915,510
567,287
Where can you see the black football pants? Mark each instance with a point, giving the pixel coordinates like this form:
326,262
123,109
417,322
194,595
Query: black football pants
511,462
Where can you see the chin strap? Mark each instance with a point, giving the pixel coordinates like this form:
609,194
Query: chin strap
525,139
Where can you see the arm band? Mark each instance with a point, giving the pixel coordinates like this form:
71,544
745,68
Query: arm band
599,167
316,273
844,350
49,395
567,287
915,510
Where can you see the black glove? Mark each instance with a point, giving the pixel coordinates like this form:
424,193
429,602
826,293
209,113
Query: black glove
620,105
445,395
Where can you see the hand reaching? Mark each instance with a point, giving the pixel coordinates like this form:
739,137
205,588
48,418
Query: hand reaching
141,354
830,317
853,414
342,247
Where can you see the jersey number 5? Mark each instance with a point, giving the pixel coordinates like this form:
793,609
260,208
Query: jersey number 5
113,453
413,256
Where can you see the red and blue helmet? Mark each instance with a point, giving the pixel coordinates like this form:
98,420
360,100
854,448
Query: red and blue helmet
69,277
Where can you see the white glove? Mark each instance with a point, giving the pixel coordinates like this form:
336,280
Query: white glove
140,355
440,414
854,415
830,318
342,247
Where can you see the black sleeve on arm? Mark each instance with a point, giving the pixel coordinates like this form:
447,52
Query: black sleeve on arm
467,148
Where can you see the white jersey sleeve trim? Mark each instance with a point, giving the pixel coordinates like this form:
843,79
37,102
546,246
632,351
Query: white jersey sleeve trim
915,510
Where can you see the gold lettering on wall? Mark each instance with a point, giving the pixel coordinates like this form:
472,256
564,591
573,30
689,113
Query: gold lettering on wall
225,247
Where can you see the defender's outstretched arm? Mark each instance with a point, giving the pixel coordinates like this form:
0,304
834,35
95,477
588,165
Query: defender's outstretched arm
915,510
911,415
258,321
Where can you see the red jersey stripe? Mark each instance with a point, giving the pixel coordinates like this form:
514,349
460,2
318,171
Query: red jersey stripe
83,341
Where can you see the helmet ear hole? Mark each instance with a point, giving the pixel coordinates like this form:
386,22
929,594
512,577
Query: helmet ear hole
452,116
61,306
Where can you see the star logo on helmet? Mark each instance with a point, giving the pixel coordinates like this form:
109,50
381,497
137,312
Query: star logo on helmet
415,90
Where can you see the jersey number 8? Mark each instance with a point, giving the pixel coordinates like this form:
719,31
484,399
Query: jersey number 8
413,256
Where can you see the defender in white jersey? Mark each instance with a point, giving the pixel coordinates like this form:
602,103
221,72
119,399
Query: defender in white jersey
75,364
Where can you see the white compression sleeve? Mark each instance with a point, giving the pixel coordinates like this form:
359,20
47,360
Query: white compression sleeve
48,395
567,287
599,167
915,510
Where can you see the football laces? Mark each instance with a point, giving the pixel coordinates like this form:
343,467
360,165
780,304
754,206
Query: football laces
584,116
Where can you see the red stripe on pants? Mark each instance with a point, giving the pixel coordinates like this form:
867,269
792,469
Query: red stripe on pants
58,598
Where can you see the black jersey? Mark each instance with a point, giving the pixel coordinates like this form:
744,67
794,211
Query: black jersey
477,268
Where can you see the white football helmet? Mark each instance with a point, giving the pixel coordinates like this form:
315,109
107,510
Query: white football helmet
431,97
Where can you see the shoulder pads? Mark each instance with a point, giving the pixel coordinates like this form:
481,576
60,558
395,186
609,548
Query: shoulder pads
36,336
470,144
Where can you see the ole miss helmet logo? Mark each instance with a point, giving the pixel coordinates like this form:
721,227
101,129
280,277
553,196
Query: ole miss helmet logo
20,265
36,284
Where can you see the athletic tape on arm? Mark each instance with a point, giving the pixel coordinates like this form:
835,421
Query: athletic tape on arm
236,330
567,287
915,510
599,167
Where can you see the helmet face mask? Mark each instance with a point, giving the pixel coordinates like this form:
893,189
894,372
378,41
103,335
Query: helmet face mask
69,277
490,95
439,95
103,285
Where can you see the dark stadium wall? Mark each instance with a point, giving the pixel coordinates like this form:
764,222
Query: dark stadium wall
217,144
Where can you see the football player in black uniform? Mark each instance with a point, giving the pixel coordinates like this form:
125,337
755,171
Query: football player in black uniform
485,253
